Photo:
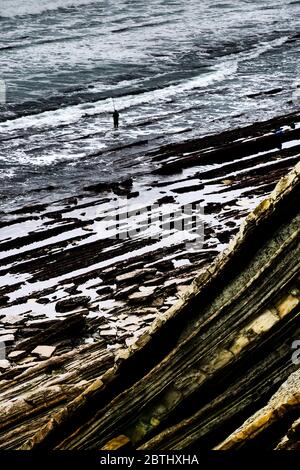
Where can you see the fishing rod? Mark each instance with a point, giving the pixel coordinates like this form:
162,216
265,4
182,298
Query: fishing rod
113,103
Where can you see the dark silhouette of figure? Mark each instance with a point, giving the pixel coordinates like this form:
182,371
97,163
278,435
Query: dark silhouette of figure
116,119
279,134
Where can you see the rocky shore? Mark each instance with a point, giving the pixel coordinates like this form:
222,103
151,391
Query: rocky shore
85,277
102,265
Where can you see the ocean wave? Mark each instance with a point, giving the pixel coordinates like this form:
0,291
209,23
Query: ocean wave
13,8
151,24
73,113
39,42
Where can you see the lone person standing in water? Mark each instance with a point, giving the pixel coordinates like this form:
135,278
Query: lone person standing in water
116,119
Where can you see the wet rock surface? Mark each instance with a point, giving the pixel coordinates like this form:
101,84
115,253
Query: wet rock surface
210,370
128,250
72,303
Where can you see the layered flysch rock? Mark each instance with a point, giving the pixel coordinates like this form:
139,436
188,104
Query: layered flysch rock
217,370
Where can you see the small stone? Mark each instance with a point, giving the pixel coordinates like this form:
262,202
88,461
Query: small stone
148,290
16,355
72,303
142,296
182,289
165,265
44,352
166,200
108,333
219,360
170,301
73,290
239,344
89,340
158,302
88,228
43,300
133,194
104,290
131,327
4,364
35,315
137,274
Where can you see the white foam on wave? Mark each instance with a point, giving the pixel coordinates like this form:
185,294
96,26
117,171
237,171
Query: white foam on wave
12,8
72,114
261,48
24,158
7,173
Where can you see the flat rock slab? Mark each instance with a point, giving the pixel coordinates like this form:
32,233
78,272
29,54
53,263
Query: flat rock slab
44,352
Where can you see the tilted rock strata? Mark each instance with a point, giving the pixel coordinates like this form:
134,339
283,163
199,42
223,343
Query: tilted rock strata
213,359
